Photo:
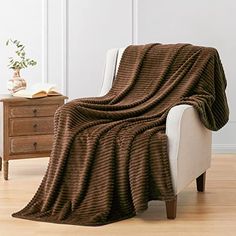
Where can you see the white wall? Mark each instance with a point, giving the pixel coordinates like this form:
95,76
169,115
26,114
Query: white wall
93,28
69,39
202,22
21,20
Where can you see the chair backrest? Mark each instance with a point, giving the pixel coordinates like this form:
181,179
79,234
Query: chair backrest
113,58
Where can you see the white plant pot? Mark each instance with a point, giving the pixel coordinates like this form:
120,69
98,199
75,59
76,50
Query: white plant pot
16,83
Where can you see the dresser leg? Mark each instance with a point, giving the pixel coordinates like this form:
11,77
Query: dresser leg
0,163
5,169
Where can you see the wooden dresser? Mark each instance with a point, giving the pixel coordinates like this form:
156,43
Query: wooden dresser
26,128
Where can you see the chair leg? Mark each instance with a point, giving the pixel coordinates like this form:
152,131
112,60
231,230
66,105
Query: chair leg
171,208
201,180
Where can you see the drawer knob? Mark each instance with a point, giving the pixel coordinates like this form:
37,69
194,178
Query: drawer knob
35,111
35,145
35,126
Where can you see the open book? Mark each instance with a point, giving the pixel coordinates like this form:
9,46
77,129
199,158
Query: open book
38,91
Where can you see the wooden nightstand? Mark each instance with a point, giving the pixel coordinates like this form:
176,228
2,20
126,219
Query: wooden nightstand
26,128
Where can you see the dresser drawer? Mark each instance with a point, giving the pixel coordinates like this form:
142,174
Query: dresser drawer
33,111
31,144
31,126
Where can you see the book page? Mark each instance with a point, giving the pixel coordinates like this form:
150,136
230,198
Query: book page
38,90
43,87
28,93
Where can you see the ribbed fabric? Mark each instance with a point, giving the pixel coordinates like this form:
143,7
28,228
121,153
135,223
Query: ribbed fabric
110,155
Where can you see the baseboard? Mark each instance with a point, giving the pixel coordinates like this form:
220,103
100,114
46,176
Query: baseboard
224,148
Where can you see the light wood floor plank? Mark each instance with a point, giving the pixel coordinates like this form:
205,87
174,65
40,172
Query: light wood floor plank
212,213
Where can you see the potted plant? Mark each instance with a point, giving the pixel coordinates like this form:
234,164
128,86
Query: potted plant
19,62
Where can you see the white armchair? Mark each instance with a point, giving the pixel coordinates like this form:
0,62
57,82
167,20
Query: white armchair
189,141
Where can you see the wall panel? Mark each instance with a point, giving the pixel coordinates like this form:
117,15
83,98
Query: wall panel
93,28
22,20
207,23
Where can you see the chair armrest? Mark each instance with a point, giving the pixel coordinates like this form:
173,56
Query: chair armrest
189,145
113,59
109,71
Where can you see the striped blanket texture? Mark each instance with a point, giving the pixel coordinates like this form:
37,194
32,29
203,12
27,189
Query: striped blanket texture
110,153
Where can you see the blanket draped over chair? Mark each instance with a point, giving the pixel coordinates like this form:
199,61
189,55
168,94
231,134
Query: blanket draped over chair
109,156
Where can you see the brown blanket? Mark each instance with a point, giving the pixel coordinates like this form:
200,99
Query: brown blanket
110,156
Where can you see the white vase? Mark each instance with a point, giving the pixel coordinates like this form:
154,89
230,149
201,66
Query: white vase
16,83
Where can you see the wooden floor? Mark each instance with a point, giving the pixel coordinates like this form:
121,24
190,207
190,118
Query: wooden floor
199,214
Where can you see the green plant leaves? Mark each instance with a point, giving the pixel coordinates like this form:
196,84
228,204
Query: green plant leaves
20,52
